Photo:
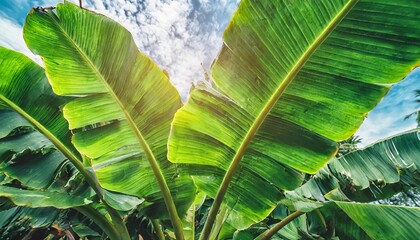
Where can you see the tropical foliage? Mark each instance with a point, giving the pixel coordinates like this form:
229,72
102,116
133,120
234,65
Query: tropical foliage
99,145
416,113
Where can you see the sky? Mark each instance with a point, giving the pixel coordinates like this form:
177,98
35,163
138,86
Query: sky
182,35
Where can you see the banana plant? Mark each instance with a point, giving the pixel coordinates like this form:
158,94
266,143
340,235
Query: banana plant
292,79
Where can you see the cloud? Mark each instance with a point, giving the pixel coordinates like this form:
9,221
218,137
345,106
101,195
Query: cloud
12,38
177,35
12,18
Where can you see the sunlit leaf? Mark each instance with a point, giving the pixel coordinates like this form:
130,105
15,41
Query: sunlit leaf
292,79
121,117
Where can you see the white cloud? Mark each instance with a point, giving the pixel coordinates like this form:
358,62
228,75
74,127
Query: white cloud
12,38
11,30
178,35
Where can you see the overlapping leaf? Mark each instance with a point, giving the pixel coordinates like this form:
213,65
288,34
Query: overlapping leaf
369,174
294,77
382,221
24,89
17,221
30,161
346,220
34,173
32,124
122,119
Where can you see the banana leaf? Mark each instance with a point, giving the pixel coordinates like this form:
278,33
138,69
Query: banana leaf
291,80
34,138
345,220
35,147
373,173
123,105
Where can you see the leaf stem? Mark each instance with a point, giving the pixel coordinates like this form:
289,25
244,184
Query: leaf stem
110,230
88,175
158,229
269,233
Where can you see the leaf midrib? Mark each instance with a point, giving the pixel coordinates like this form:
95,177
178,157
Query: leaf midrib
127,115
288,79
60,146
270,104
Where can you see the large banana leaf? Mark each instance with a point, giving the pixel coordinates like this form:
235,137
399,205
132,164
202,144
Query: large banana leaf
292,78
35,145
369,174
121,117
32,124
346,220
381,221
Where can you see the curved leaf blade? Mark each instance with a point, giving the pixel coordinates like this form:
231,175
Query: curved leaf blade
384,222
125,103
293,79
373,173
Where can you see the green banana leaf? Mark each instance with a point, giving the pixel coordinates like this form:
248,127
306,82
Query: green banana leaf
383,221
124,102
35,145
37,198
373,173
33,129
292,79
24,89
346,220
16,222
29,159
26,154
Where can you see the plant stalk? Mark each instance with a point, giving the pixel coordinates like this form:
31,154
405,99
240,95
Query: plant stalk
269,233
110,230
89,176
158,229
